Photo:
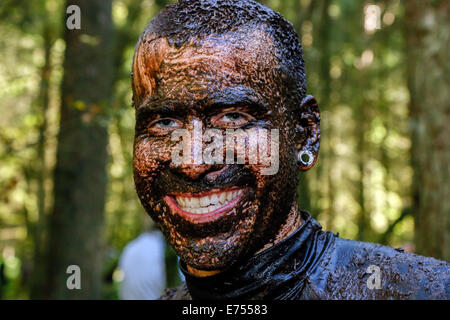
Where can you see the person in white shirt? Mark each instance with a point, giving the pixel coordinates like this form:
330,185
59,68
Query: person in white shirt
143,266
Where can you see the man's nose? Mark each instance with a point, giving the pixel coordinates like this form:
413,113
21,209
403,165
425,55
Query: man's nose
197,168
192,171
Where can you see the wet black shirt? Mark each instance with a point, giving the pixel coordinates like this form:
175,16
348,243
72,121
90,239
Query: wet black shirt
314,264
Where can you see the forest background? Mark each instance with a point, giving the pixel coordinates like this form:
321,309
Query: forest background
379,70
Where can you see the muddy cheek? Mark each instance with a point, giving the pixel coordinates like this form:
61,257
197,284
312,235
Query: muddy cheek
276,192
150,157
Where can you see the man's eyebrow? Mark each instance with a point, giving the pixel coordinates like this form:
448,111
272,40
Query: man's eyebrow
237,96
151,108
224,98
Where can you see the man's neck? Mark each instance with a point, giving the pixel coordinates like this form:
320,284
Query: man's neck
292,223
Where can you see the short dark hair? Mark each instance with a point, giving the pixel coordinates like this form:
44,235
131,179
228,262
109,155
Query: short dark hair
180,22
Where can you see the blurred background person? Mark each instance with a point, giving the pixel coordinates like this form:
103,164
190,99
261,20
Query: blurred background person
143,267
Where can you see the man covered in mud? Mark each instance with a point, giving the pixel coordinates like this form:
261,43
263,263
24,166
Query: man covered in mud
205,70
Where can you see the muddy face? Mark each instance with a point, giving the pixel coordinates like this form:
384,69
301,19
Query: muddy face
214,214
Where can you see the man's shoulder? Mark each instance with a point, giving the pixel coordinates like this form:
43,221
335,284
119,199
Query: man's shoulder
353,267
352,252
178,293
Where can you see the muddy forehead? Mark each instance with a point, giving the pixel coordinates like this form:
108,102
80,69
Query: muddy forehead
197,70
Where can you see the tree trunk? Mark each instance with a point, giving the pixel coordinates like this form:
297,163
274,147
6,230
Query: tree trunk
427,25
76,229
363,219
39,235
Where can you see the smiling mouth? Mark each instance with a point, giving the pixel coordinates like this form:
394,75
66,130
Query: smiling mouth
205,207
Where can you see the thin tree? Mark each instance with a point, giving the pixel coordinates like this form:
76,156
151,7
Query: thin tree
76,228
427,34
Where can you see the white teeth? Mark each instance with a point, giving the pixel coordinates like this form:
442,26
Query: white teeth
195,203
222,197
204,201
182,201
214,198
207,204
212,208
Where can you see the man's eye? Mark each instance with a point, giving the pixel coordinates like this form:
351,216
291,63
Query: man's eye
162,126
166,123
233,116
231,119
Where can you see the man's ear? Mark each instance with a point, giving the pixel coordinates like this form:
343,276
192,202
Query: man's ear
307,138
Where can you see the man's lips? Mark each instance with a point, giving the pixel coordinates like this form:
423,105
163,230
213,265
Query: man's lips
205,206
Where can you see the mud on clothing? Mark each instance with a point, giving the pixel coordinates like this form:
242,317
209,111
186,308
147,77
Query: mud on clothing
316,264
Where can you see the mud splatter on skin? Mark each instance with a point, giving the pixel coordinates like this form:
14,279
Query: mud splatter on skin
193,70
